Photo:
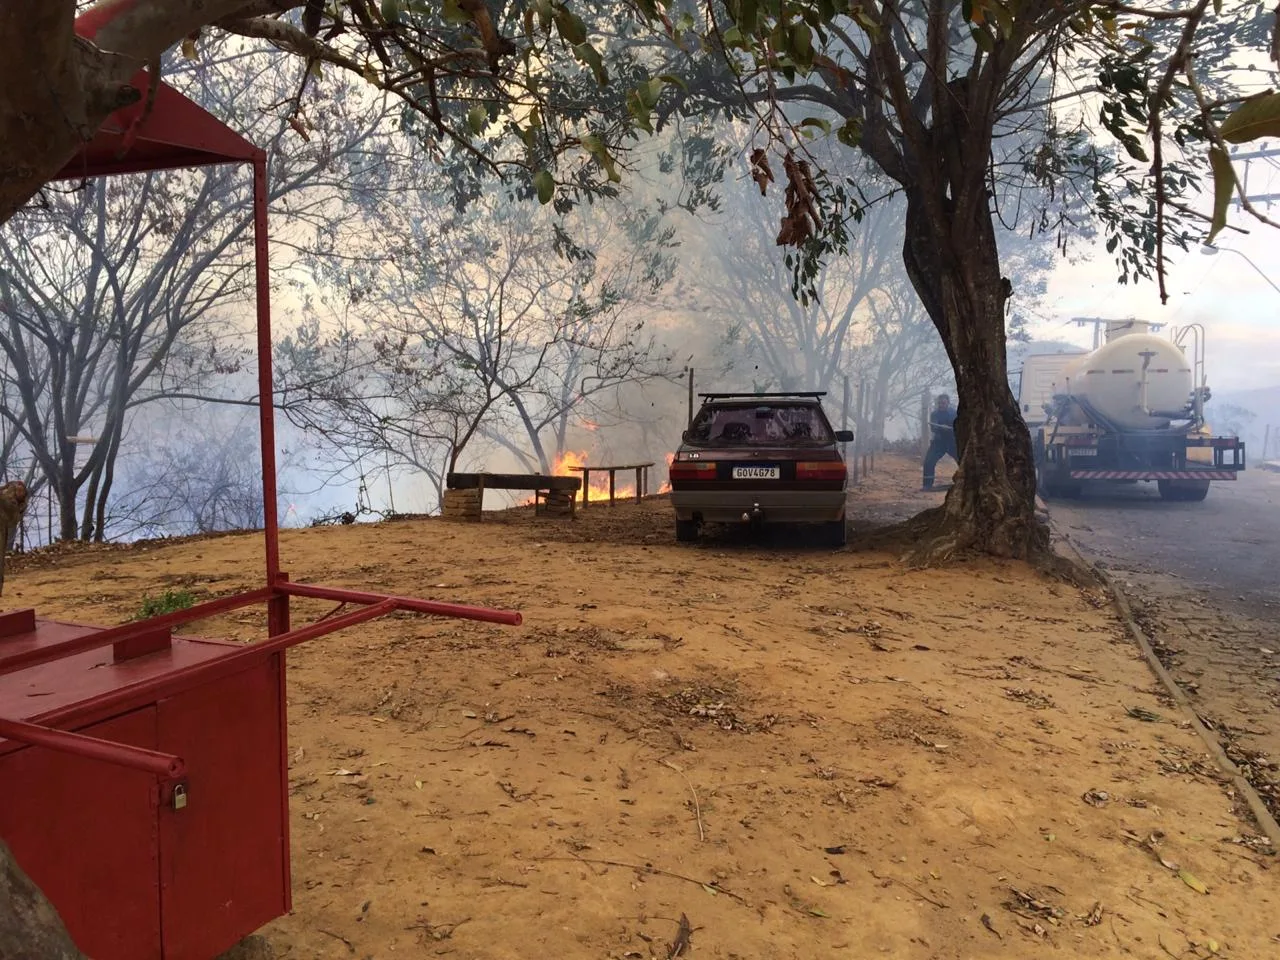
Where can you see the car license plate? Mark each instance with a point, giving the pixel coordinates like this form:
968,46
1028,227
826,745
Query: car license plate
756,473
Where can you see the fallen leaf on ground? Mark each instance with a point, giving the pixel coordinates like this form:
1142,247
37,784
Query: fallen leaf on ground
1192,881
1143,714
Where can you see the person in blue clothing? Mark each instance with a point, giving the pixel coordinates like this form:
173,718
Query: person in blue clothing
942,437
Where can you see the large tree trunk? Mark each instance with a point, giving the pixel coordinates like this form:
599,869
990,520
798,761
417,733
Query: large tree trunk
58,90
29,925
955,268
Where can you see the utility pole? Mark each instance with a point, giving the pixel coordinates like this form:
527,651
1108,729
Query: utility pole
1265,153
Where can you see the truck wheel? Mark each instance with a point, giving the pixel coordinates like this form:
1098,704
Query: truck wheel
834,533
1061,489
686,530
1183,491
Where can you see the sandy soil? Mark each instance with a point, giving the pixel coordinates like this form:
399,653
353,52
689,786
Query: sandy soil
806,753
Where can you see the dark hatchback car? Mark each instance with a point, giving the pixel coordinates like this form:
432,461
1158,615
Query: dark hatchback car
761,458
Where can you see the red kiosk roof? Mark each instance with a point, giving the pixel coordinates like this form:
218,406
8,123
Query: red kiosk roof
172,132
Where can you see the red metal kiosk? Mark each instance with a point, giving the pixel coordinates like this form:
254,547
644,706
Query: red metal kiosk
144,776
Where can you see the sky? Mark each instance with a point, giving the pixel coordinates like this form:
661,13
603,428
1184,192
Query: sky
1240,311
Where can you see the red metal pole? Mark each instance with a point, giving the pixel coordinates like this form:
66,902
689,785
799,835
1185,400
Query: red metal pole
509,617
266,393
164,765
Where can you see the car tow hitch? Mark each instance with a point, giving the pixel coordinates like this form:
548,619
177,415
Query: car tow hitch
754,515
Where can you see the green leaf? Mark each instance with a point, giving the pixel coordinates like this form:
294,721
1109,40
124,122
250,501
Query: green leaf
545,14
639,112
816,912
1257,117
823,125
571,27
545,185
450,12
868,23
1004,18
672,80
649,92
982,36
591,57
733,38
749,17
189,48
1133,147
850,133
596,147
802,44
477,119
391,11
1224,186
315,70
778,38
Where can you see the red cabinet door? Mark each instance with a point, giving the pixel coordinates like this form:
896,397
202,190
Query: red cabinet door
223,868
86,833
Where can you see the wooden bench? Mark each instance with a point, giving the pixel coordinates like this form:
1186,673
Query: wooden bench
642,478
464,492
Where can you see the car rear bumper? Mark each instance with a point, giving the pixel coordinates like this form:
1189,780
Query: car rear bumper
775,506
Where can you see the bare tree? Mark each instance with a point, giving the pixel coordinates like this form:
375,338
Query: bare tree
799,339
123,292
505,325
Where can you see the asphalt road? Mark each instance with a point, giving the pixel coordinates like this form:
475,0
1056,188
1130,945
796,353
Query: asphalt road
1227,547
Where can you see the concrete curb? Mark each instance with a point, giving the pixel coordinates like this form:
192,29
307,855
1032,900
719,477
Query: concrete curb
1266,822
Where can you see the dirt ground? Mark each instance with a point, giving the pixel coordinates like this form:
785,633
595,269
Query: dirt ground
805,753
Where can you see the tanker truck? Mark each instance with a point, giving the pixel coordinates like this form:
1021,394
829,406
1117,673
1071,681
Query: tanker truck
1129,411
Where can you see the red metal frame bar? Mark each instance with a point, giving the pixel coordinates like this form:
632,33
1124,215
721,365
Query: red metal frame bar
163,765
128,631
266,388
187,677
459,611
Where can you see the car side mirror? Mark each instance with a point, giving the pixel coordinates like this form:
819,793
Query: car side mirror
844,436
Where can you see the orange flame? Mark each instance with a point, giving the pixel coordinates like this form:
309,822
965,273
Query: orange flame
599,488
563,466
666,486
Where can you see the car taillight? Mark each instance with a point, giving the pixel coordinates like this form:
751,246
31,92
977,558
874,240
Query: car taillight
691,470
821,470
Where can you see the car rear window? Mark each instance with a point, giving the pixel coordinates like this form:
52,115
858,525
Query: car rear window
760,425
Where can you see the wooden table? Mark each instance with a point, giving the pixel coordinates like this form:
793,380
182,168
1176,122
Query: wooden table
642,478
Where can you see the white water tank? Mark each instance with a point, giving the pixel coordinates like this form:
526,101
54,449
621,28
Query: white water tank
1136,379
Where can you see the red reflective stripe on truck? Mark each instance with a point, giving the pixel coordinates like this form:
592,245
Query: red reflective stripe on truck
1153,474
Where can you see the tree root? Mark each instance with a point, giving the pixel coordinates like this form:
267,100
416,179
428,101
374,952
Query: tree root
937,538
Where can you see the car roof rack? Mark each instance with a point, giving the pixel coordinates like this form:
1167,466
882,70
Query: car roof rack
814,394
